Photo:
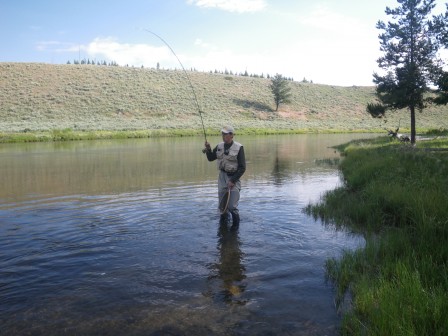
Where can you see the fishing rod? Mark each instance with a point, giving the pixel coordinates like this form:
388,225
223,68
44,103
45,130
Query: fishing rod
188,78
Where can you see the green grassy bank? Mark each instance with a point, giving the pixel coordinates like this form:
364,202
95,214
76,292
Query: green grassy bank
396,195
73,135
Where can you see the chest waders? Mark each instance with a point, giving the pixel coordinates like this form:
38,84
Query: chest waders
234,198
227,164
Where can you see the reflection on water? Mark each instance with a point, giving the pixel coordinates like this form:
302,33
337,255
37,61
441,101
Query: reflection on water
123,238
103,167
227,274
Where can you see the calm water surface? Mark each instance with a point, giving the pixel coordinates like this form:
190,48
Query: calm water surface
123,238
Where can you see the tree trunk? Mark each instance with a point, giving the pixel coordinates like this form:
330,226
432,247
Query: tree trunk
412,108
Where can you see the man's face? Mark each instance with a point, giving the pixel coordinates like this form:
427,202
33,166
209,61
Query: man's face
227,137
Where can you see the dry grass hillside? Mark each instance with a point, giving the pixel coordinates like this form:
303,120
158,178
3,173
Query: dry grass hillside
37,97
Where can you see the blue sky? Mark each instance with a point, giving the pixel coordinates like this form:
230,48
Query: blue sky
330,41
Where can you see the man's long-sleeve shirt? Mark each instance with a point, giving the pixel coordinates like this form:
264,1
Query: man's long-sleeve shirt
211,156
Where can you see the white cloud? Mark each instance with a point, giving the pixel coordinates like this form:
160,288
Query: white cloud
129,54
210,59
339,48
110,49
56,46
45,45
226,59
200,43
330,22
323,61
239,6
322,64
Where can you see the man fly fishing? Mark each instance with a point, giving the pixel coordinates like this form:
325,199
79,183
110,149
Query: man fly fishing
230,156
231,165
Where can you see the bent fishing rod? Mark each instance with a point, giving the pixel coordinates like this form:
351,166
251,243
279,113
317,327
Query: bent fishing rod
188,78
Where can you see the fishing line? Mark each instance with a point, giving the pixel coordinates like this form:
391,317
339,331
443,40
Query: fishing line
188,78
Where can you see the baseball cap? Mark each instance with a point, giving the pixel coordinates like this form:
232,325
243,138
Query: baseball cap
227,130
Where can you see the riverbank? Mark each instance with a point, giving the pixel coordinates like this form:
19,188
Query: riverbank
396,195
73,135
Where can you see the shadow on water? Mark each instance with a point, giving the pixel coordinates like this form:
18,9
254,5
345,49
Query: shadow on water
227,275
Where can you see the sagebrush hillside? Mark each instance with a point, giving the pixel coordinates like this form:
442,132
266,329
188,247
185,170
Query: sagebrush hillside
37,97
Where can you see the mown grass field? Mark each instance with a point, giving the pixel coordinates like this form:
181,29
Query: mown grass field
38,97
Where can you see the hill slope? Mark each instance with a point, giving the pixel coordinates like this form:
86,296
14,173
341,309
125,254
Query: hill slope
88,97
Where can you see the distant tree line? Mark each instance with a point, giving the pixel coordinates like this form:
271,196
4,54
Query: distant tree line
225,72
246,74
93,62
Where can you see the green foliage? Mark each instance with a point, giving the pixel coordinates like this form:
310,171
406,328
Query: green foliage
410,44
376,110
438,132
61,135
440,24
442,84
395,195
280,90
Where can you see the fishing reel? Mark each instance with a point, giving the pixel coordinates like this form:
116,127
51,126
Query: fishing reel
206,149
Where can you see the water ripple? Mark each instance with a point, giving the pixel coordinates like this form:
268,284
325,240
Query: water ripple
157,260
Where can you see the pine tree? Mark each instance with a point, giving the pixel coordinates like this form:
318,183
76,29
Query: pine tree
440,23
280,90
410,44
442,90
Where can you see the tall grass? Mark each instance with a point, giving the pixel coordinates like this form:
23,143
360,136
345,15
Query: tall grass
396,195
70,135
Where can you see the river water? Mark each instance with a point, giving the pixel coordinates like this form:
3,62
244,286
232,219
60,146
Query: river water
123,238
